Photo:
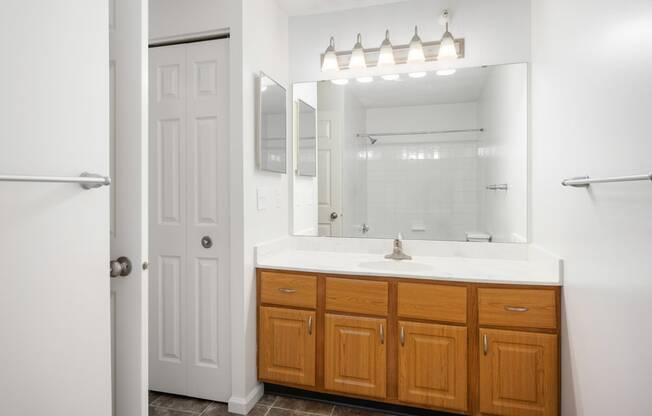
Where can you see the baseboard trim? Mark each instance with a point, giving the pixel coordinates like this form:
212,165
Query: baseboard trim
243,405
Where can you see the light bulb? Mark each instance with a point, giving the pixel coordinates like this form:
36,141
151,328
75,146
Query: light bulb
447,49
342,81
358,60
386,55
330,58
390,77
445,72
417,74
364,80
415,53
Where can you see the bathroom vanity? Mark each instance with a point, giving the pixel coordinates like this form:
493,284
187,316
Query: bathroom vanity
485,344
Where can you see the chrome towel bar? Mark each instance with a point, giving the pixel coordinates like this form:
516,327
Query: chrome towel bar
497,187
584,181
85,180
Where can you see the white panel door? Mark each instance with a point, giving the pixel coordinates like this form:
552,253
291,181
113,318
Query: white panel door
207,238
167,202
329,175
54,237
128,225
189,343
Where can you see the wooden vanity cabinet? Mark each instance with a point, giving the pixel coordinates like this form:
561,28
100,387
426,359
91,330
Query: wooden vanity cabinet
466,348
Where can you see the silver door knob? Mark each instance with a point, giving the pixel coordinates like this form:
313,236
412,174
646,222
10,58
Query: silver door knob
121,267
333,216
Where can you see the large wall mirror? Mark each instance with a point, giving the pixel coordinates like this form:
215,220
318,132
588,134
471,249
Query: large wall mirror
432,157
271,139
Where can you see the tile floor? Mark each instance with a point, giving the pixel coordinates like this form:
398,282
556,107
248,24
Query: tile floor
161,404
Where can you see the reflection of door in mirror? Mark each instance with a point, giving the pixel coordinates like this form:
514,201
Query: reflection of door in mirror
329,169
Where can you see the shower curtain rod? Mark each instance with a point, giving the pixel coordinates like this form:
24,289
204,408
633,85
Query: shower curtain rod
411,133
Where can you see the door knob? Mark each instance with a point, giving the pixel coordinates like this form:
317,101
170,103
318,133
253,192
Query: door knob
121,267
206,242
333,216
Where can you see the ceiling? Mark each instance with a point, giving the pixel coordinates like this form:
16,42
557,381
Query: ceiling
462,87
303,7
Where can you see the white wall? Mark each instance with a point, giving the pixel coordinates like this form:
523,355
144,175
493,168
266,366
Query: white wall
591,106
174,18
262,38
503,157
423,186
496,31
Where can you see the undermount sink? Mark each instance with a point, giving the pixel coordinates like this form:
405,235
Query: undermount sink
395,265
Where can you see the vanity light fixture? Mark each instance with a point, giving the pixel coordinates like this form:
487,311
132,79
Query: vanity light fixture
342,81
386,54
330,58
390,77
417,74
364,80
447,51
358,60
415,53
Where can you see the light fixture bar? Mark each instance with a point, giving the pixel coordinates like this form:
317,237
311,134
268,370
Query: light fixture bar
430,50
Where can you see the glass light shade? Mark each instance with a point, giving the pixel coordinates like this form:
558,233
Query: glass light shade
447,49
342,81
330,58
364,80
386,55
415,53
358,60
417,74
445,72
390,77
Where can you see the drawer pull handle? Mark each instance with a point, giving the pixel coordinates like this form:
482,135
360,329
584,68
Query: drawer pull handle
485,344
516,309
402,336
286,290
382,334
310,325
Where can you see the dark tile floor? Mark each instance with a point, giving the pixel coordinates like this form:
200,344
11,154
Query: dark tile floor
161,404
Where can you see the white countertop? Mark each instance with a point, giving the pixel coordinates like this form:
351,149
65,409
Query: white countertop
459,269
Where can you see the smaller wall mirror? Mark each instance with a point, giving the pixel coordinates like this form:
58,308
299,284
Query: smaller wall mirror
271,135
307,143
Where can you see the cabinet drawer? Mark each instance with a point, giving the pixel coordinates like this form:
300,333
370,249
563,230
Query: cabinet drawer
432,302
357,296
526,308
288,289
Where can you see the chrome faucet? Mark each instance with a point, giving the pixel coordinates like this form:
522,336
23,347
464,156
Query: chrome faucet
397,252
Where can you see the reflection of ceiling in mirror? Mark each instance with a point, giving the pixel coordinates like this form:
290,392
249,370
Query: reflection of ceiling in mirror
462,87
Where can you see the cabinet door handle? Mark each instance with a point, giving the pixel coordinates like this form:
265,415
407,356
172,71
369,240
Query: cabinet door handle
402,336
382,334
310,325
485,344
516,308
287,290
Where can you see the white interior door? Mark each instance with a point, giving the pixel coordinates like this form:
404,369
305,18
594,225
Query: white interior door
329,174
128,225
54,240
189,293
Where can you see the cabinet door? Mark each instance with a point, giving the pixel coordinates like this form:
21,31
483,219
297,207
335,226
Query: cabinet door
355,355
286,350
432,365
518,373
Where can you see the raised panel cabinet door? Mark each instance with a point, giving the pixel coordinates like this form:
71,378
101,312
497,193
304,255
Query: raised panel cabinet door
432,365
286,350
355,358
518,373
